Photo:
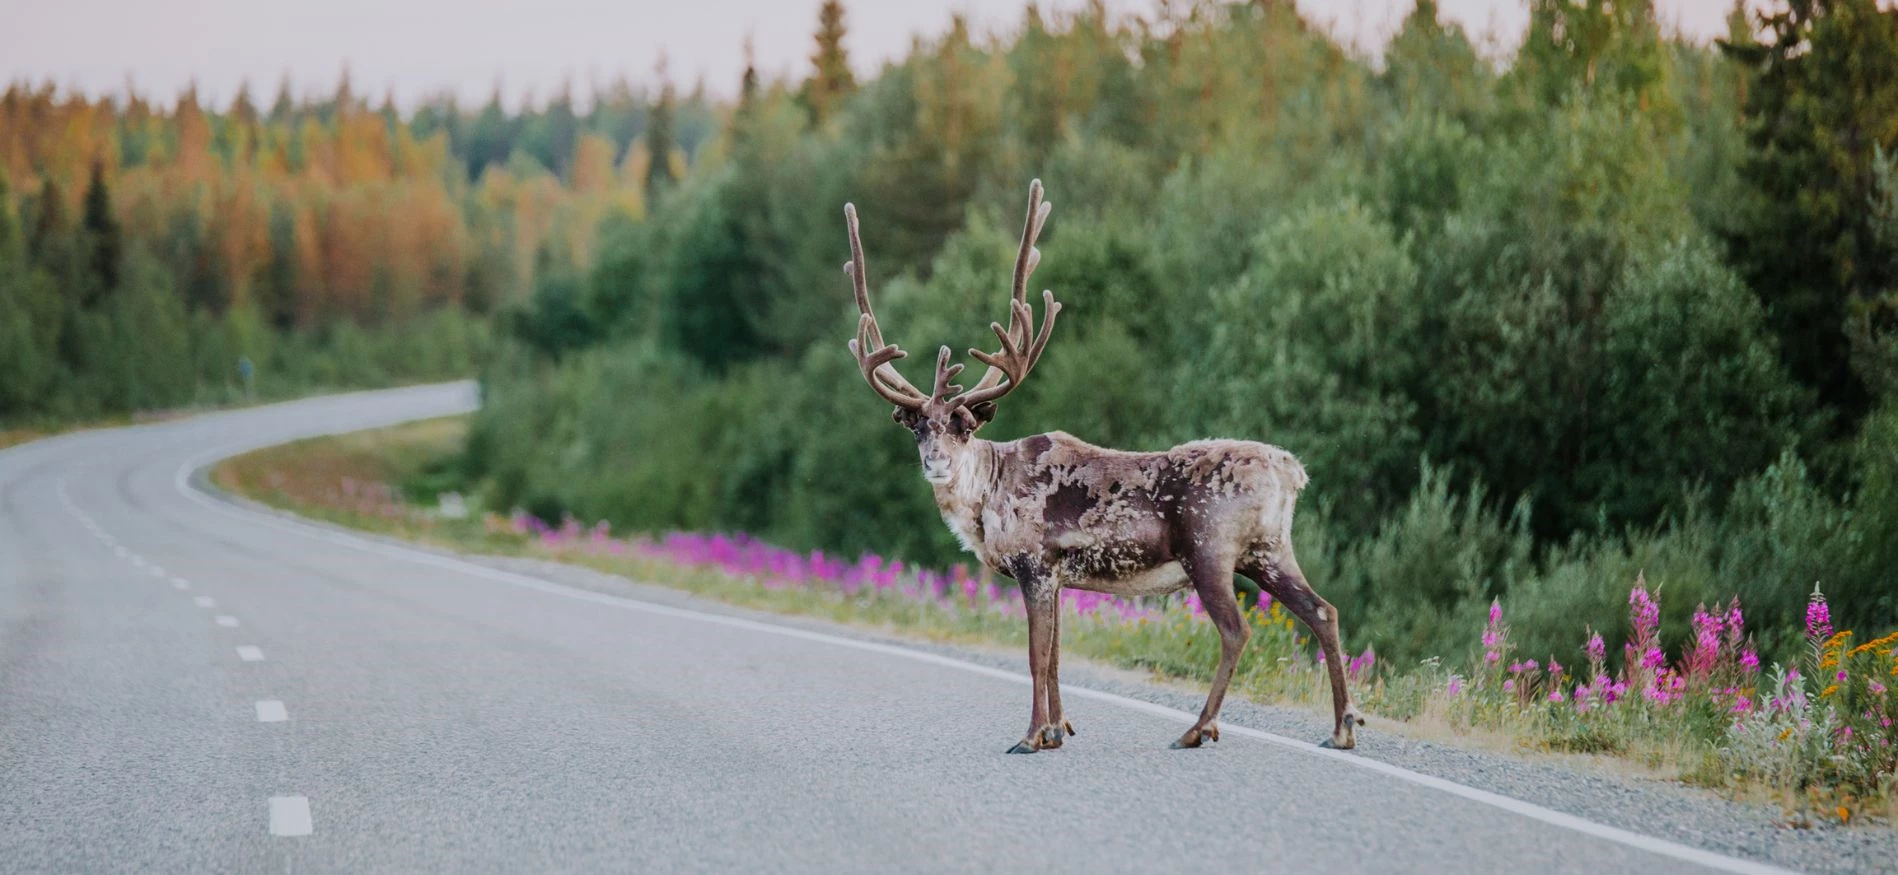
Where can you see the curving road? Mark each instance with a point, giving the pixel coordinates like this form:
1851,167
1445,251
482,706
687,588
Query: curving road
187,685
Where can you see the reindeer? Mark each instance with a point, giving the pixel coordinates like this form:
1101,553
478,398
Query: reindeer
1052,511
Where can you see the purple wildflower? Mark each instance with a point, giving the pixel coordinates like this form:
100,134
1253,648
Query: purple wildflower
1818,616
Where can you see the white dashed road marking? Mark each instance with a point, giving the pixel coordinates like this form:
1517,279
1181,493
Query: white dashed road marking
290,816
205,601
271,711
248,653
227,621
180,583
157,571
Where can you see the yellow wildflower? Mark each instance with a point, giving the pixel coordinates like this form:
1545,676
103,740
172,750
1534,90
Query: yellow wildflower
1869,646
1829,691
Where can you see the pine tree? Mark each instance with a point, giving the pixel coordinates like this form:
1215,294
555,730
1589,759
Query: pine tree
492,138
831,80
563,132
748,85
102,238
284,108
659,139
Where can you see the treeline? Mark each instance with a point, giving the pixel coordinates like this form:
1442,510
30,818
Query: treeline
153,256
1626,303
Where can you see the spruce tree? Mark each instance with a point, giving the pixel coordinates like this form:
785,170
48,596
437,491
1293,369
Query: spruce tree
831,80
659,138
102,239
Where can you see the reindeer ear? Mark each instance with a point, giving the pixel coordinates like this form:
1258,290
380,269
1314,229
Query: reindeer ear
983,412
904,416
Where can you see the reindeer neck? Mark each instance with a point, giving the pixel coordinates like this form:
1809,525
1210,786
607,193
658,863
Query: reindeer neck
961,499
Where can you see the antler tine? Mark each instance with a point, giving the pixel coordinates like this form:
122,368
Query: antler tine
872,354
944,373
872,364
1026,260
1049,307
1013,361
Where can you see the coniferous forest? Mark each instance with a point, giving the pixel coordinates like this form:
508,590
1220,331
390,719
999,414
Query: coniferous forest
1616,303
146,250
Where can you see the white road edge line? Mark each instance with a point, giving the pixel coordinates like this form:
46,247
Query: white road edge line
248,653
1710,859
227,621
290,816
271,711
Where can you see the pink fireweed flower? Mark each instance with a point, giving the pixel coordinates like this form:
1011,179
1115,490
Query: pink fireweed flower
1877,688
1841,677
1596,648
1818,616
1653,658
1495,636
1749,661
1667,688
1509,686
1555,696
1742,705
1555,668
1454,687
1643,609
1703,653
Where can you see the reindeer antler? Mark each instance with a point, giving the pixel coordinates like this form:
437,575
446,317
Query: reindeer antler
873,355
1018,353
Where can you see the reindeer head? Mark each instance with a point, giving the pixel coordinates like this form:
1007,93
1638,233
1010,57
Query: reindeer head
945,420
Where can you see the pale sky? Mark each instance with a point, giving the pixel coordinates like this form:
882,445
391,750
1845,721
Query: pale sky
417,47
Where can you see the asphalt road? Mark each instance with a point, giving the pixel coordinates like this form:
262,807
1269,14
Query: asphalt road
187,685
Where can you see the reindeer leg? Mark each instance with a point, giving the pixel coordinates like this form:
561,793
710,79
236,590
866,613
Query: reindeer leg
1285,582
1212,579
1038,595
1056,717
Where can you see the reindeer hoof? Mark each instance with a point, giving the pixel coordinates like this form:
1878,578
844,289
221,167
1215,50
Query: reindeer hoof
1195,737
1067,727
1050,737
1345,737
1024,746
